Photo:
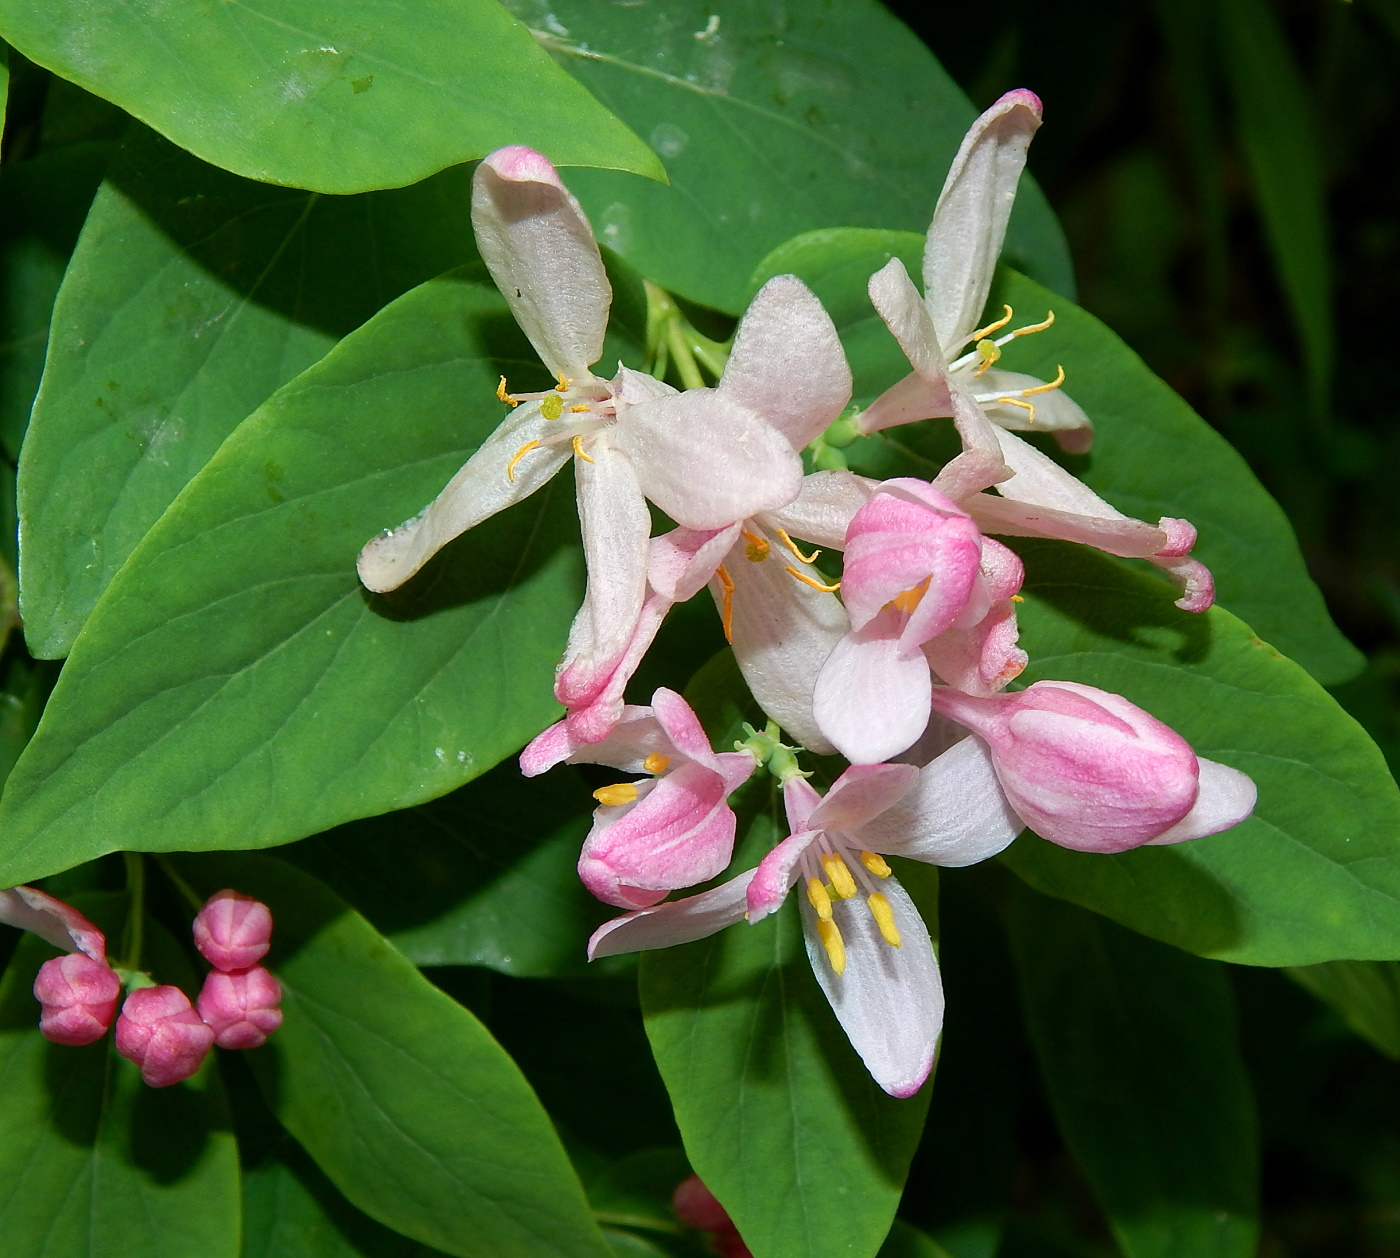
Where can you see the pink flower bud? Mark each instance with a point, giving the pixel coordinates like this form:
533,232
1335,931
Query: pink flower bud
233,930
79,998
159,1030
241,1009
696,1206
1084,768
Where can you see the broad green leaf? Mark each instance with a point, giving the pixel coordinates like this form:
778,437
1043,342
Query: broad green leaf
400,1095
779,1116
236,658
1279,135
1314,875
1137,1045
484,876
1152,455
332,95
1365,993
908,1242
93,1163
191,297
771,121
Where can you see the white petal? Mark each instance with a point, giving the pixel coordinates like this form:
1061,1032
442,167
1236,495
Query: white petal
1055,411
705,460
911,399
1120,536
55,922
787,362
539,248
632,388
956,815
676,922
896,299
981,463
1036,478
969,223
477,492
1227,797
823,508
889,1001
782,632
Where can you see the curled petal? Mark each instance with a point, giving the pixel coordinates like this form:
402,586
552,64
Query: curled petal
983,659
678,922
594,721
683,561
776,873
1193,578
683,728
861,794
1226,798
911,399
636,735
539,248
898,303
52,920
980,464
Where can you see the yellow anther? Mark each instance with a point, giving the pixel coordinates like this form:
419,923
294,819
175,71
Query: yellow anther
618,793
1016,598
839,875
1022,403
578,449
563,382
835,946
816,894
656,763
989,352
726,612
517,456
815,584
875,864
792,546
993,327
582,408
1031,328
551,406
504,396
884,918
907,600
1045,388
757,549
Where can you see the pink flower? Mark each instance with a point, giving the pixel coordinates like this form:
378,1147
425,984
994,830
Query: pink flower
233,930
671,830
1088,770
159,1030
52,920
242,1009
79,998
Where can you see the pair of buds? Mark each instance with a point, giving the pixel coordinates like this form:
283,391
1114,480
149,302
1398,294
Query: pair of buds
158,1028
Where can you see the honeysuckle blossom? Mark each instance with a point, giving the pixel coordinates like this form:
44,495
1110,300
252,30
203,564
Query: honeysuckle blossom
673,829
707,457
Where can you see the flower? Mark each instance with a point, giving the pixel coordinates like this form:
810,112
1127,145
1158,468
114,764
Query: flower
159,1030
671,830
78,997
52,920
233,931
241,1008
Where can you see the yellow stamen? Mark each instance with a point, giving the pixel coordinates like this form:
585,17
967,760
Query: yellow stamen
792,546
757,549
990,353
839,875
907,600
618,793
875,864
504,396
563,383
1016,598
1045,388
993,327
726,614
1032,328
578,449
1022,403
656,763
815,584
816,894
517,456
884,918
581,409
835,946
551,406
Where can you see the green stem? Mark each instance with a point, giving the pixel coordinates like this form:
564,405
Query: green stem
771,753
192,897
133,937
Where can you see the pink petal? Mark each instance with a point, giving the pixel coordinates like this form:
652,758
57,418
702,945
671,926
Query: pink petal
636,735
594,721
980,464
683,728
861,794
52,920
981,660
1194,579
683,560
799,799
678,922
911,399
776,873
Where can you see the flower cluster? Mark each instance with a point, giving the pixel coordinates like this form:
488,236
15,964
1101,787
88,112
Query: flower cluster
158,1028
902,665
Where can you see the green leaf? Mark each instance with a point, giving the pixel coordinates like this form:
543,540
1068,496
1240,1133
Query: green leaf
236,657
400,1095
1314,875
771,122
1365,993
1152,455
779,1117
331,95
93,1161
908,1242
191,297
1279,135
1138,1047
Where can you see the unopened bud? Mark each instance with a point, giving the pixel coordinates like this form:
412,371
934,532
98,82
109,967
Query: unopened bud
159,1030
79,998
241,1009
696,1206
233,930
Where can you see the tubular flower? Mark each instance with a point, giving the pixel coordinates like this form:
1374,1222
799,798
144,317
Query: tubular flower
866,942
923,588
673,829
707,457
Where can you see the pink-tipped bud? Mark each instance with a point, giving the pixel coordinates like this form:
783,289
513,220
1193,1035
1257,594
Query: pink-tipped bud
159,1030
696,1206
79,998
241,1009
233,930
